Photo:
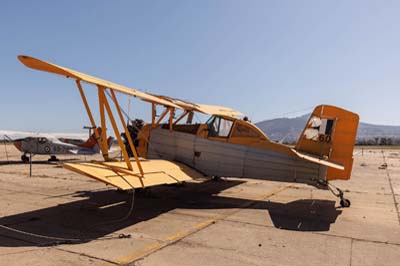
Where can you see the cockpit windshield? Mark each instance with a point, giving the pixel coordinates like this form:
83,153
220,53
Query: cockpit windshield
42,140
219,127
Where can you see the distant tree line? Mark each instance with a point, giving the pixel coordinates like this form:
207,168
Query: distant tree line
382,141
365,141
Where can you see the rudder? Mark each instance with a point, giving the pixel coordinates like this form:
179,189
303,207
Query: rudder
330,133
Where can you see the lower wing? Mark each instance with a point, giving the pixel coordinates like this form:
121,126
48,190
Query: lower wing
156,172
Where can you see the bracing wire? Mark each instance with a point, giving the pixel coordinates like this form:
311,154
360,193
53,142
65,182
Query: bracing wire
278,115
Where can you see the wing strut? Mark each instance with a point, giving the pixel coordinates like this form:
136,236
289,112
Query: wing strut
126,132
102,141
115,127
181,117
153,113
96,133
103,122
171,117
156,123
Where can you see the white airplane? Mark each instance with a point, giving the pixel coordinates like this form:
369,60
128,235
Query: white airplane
39,143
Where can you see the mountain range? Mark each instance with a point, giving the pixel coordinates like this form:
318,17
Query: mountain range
289,129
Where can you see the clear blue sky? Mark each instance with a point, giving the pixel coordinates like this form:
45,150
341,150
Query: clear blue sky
265,58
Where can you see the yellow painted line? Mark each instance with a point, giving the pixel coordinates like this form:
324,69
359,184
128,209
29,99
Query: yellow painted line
181,234
140,253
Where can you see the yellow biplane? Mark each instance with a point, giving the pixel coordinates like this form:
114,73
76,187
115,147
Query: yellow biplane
226,145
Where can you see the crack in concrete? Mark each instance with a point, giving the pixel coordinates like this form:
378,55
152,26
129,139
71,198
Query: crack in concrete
43,176
18,252
86,255
202,245
351,252
27,192
323,234
244,262
396,204
352,191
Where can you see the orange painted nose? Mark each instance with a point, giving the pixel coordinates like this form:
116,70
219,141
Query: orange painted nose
18,145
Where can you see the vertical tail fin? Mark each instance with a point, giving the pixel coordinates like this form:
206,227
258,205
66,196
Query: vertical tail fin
92,144
91,141
330,133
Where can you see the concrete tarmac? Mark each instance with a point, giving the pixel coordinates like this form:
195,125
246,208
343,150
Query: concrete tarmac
63,218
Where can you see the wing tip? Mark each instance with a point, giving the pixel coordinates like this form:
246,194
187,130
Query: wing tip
24,59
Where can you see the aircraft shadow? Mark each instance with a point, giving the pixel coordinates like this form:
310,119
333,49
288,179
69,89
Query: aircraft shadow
303,215
86,218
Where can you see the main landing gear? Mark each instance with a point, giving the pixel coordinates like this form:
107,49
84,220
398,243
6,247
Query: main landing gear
24,158
53,158
344,203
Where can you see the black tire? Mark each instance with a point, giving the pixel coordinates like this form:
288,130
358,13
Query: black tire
216,178
53,158
24,159
345,203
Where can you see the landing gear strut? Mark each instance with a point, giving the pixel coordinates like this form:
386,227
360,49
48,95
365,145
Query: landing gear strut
24,158
344,203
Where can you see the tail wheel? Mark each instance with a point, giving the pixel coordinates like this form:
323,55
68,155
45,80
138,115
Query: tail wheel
345,203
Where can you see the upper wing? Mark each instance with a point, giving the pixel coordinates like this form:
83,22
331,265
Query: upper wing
69,73
14,135
218,110
158,99
156,172
202,108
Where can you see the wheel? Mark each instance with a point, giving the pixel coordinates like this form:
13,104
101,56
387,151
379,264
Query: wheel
24,158
53,158
345,203
216,178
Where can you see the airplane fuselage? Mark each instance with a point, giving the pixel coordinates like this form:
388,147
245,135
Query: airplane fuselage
220,158
42,145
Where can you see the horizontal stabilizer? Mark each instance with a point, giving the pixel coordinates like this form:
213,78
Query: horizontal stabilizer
156,172
317,160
